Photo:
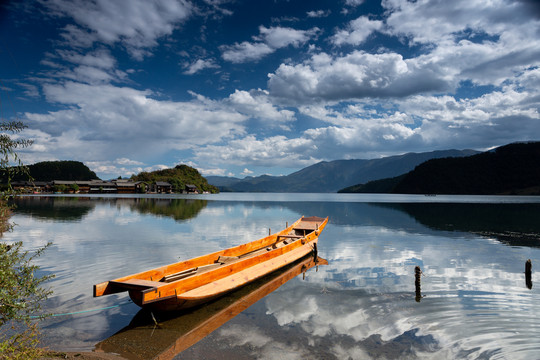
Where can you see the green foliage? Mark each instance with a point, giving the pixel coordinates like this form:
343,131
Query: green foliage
60,170
178,177
8,155
375,186
61,188
510,169
178,209
21,295
20,290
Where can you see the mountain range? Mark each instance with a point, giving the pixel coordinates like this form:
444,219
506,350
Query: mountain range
507,170
331,176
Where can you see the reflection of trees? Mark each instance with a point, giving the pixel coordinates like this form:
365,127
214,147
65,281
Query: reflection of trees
178,209
513,224
53,208
75,208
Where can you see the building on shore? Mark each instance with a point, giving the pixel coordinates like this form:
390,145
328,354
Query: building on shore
117,186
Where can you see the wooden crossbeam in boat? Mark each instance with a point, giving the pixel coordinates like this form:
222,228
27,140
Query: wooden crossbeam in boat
136,284
179,275
227,259
289,236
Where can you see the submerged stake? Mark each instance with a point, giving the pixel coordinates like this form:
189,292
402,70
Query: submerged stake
417,276
528,274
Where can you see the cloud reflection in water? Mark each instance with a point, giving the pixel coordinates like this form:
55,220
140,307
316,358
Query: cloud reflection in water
362,305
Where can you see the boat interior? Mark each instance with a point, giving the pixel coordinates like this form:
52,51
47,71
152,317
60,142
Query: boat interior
301,230
298,232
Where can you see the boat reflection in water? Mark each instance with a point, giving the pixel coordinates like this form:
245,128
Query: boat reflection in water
173,333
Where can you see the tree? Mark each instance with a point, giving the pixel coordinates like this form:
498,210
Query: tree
8,146
60,188
20,299
20,290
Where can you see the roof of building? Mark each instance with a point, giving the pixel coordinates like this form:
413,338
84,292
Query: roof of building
163,183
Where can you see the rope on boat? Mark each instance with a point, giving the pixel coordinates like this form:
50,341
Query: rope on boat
82,311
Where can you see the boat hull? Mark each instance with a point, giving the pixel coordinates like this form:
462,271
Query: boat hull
191,282
205,293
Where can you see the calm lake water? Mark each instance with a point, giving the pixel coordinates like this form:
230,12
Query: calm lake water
474,301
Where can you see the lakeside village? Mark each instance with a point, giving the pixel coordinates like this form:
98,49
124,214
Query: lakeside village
119,186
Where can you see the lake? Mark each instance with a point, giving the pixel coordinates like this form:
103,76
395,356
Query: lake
473,302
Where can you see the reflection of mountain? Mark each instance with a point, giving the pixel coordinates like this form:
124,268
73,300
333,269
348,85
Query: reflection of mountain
53,208
178,209
142,339
513,224
358,214
75,208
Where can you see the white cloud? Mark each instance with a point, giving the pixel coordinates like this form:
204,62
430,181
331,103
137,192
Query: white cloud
271,151
440,21
102,121
279,37
135,24
357,31
318,13
94,67
101,58
200,65
214,172
354,2
125,161
246,51
257,104
354,76
268,41
246,172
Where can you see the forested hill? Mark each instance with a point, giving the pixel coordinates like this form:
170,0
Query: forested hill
510,169
178,177
57,170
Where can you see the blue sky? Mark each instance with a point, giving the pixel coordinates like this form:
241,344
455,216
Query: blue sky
240,88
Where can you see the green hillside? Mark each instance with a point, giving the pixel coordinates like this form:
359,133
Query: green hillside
510,169
178,177
57,170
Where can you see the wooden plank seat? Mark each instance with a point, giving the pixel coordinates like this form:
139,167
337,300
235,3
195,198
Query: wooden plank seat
193,271
289,236
179,275
227,259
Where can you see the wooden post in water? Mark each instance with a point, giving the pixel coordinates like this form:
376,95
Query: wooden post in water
528,274
417,275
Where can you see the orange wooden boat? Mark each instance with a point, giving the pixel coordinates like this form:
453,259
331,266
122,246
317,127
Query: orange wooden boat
142,339
192,282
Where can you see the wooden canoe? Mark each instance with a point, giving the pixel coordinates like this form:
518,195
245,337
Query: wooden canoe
192,282
142,339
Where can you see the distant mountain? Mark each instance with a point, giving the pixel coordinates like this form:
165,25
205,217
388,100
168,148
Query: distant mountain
333,175
222,181
509,169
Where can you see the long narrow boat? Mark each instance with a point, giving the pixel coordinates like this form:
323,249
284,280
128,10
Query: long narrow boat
142,340
192,282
